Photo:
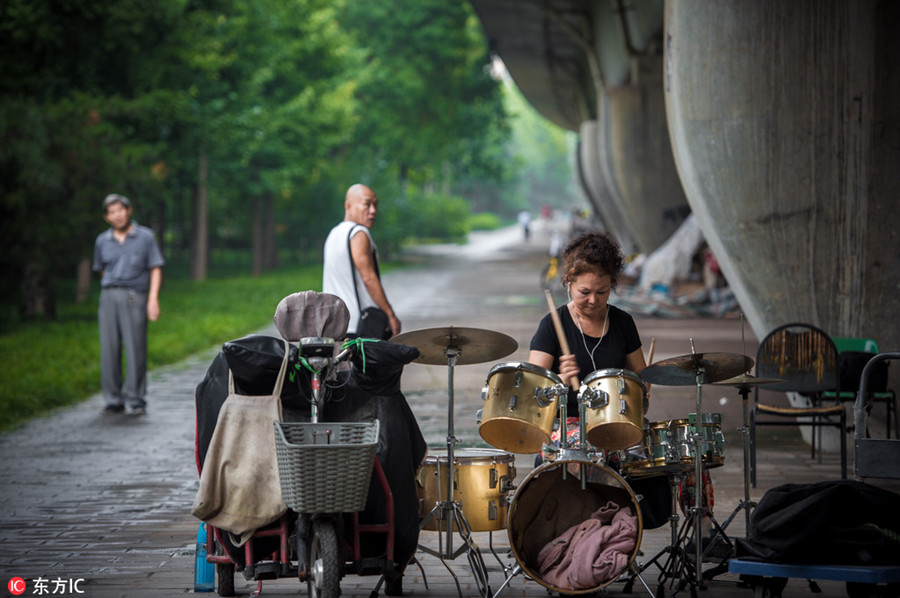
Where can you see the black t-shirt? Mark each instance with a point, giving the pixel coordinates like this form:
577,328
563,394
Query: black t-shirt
621,339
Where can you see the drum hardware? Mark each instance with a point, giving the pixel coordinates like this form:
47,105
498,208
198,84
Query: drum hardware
695,369
670,549
456,346
744,383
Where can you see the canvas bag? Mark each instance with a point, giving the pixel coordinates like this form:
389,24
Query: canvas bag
240,489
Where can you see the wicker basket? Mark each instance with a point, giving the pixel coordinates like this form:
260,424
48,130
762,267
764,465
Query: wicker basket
325,467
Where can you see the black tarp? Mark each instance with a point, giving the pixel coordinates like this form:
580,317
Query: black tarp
356,395
841,522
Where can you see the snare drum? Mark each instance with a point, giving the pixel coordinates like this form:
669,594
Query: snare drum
483,480
555,498
712,441
615,408
677,450
519,406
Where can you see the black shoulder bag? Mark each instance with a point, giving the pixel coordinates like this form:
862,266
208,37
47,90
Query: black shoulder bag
373,321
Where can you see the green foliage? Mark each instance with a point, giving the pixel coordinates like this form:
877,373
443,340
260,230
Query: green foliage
287,101
422,217
484,221
54,364
433,109
545,153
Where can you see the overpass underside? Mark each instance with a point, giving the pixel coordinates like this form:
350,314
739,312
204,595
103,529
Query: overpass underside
776,123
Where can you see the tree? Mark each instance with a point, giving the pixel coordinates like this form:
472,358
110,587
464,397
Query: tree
69,70
433,110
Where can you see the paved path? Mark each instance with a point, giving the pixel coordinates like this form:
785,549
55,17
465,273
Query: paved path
107,499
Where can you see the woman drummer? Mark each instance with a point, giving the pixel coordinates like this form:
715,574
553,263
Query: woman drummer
599,335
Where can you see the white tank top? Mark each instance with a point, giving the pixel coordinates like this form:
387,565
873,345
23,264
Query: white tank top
338,272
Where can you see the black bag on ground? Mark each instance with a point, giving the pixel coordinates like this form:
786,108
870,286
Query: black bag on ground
842,522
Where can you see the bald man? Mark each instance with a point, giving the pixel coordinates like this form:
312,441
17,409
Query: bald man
351,261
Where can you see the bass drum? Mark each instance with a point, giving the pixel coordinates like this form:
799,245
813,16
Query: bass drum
573,539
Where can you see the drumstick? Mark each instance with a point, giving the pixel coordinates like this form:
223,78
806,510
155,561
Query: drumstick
557,324
649,361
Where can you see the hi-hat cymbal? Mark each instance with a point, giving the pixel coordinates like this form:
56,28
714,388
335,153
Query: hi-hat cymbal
746,381
474,345
683,370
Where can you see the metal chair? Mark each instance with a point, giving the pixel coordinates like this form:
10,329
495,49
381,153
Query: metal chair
853,355
806,358
873,457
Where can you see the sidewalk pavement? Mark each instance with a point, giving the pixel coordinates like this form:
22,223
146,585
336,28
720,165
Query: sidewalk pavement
99,506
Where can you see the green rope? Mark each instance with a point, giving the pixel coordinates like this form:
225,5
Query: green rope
360,347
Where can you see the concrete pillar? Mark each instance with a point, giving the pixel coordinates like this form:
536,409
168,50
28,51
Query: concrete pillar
595,187
637,159
784,119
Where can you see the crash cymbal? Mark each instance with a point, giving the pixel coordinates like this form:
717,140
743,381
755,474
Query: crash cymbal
746,381
475,345
683,370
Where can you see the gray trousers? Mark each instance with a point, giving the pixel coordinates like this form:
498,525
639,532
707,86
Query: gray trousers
123,324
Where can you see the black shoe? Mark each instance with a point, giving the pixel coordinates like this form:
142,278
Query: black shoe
113,409
393,586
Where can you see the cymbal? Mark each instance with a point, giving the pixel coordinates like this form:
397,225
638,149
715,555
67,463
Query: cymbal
474,345
683,370
746,381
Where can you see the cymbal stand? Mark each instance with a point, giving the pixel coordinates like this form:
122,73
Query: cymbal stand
678,560
449,511
673,525
746,504
692,573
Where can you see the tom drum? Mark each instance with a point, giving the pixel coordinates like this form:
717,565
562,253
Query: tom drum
520,402
615,408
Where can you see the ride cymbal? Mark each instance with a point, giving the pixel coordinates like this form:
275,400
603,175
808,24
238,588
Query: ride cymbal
474,345
683,370
746,381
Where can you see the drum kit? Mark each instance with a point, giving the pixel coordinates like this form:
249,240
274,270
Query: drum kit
521,405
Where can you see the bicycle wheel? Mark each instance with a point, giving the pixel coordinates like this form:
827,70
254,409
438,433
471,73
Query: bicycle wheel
224,575
325,561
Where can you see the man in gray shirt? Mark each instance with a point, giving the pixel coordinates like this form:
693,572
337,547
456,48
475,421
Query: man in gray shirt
130,264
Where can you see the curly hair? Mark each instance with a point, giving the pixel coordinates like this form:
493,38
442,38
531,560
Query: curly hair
597,253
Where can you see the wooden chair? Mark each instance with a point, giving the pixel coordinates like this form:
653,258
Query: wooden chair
806,358
853,355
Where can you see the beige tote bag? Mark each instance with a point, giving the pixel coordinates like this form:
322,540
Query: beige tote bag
239,487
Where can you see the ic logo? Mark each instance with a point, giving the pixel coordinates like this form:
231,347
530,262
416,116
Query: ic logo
16,586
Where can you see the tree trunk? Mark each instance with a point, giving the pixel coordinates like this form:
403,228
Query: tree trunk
257,242
38,296
83,280
270,257
200,236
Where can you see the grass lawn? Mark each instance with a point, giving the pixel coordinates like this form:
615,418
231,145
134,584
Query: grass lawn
47,365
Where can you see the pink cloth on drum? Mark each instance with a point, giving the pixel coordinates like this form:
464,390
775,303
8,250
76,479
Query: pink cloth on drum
592,552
